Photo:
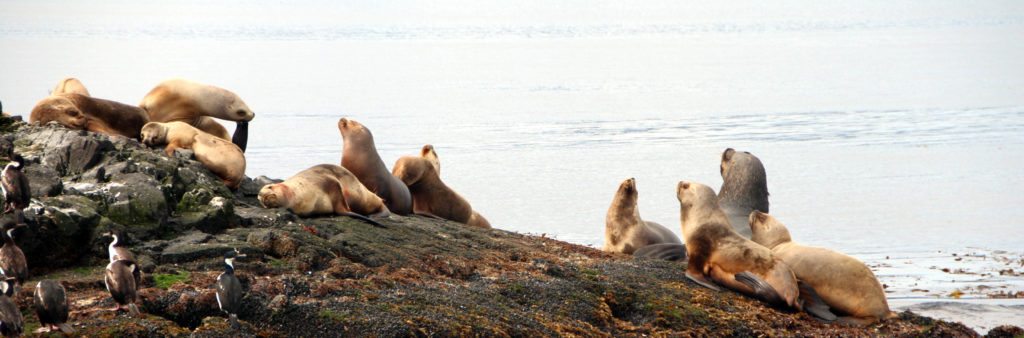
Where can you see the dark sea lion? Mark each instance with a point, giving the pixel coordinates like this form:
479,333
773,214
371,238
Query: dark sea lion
714,250
624,230
359,155
844,283
744,188
80,112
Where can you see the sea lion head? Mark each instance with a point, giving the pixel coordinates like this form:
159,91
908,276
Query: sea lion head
354,132
153,133
627,193
428,153
766,230
61,109
411,169
238,110
743,179
695,197
275,195
624,203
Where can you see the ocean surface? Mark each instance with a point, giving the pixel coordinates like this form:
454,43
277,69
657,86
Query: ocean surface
891,131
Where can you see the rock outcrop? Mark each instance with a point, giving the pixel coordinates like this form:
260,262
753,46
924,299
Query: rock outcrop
337,276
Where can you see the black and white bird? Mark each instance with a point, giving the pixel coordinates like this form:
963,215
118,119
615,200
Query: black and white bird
10,317
229,289
12,259
15,185
120,281
51,303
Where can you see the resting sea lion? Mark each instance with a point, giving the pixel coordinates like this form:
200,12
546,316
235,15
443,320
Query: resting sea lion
196,103
844,283
221,157
81,112
744,188
360,156
624,231
715,250
430,196
324,189
70,85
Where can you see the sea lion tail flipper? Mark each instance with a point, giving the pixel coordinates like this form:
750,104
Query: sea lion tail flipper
700,280
134,310
364,219
813,303
762,290
664,251
64,327
241,136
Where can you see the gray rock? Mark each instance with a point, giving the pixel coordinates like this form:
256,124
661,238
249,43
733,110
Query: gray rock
251,186
43,181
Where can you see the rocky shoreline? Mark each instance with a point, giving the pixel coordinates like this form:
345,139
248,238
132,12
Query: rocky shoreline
339,276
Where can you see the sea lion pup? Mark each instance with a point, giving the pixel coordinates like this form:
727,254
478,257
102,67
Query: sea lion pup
221,157
81,112
359,155
624,231
844,283
715,250
196,104
430,196
744,188
324,189
70,85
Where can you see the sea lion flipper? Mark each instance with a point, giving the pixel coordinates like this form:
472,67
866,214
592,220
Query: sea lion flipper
762,290
364,219
813,303
664,251
241,136
702,281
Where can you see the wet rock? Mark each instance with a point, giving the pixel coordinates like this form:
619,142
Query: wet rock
135,199
252,186
69,152
1005,331
61,231
43,180
259,217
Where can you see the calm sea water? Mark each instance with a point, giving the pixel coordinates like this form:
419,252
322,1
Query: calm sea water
887,129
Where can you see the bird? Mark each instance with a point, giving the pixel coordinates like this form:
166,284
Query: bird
51,305
229,289
12,259
10,317
14,184
117,249
120,281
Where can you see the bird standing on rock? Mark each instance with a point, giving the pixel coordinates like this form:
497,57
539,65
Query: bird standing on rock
51,305
120,282
229,289
14,184
12,259
10,317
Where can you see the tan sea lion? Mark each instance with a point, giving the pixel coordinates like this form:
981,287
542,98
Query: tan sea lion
81,112
715,250
430,196
323,189
221,157
624,231
196,104
844,283
70,85
359,155
744,188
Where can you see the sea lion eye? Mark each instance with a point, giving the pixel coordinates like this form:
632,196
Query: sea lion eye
240,112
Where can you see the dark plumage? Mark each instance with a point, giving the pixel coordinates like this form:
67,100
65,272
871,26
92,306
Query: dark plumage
229,289
15,185
51,305
120,281
10,317
12,259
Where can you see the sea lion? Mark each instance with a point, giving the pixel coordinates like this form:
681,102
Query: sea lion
81,112
70,85
359,155
196,104
844,283
715,250
624,231
744,188
221,157
430,196
324,189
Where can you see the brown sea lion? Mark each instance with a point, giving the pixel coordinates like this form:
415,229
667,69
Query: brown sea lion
324,189
360,156
430,196
715,250
624,231
70,85
744,188
844,283
221,157
81,112
196,104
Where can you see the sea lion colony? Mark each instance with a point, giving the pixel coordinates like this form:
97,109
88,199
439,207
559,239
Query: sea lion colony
717,228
